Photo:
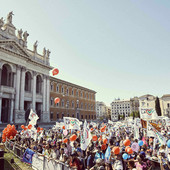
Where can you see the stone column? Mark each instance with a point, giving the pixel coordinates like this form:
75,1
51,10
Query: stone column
44,93
48,94
22,88
0,108
0,75
34,91
12,111
17,87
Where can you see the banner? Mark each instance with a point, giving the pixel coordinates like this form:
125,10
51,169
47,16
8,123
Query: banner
110,122
148,113
27,157
85,136
150,131
33,118
71,123
167,122
144,123
136,129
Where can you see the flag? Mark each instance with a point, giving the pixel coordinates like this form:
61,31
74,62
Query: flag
71,123
136,129
33,118
85,136
27,157
150,131
107,154
148,113
144,123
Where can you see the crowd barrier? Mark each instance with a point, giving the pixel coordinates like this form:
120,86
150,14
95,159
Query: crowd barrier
39,162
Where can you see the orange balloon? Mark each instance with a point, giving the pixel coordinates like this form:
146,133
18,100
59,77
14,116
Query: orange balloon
116,150
3,140
129,151
41,129
11,137
38,128
64,127
65,140
55,71
29,126
78,131
73,138
91,129
22,126
127,142
102,129
56,100
127,147
103,147
94,138
105,141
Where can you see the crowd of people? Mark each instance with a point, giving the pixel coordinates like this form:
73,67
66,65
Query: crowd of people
100,154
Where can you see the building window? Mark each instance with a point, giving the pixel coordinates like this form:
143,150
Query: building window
68,115
51,101
81,105
62,90
38,84
91,107
77,94
67,91
62,115
168,105
57,104
67,105
89,116
81,94
51,86
92,116
72,115
28,81
57,88
86,116
72,92
81,116
85,106
85,95
72,104
62,103
57,115
51,116
77,104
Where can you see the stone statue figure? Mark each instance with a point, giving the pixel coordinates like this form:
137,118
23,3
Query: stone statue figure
1,22
25,35
9,17
48,53
35,46
44,51
20,34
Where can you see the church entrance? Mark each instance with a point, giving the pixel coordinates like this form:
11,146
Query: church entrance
5,112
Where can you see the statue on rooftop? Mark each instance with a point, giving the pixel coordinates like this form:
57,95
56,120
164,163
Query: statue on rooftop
25,35
1,22
9,17
20,34
35,46
48,53
44,51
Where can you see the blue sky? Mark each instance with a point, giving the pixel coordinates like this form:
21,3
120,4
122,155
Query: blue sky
119,48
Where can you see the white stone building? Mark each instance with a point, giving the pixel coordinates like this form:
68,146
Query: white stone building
24,76
165,105
120,107
101,109
147,101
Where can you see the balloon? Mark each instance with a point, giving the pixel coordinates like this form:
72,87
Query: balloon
168,143
22,126
126,142
29,126
4,140
41,128
64,127
130,151
94,138
135,147
105,141
140,142
56,100
125,156
116,150
65,140
55,71
11,137
91,129
103,147
73,138
38,128
65,132
102,129
127,147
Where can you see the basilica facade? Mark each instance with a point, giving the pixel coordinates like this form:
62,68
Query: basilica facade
24,76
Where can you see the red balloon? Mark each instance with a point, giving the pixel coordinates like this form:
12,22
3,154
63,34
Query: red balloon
94,138
103,147
56,100
105,141
64,127
126,142
29,126
22,126
129,151
73,138
91,129
38,128
102,129
55,71
65,140
127,147
11,137
116,150
41,128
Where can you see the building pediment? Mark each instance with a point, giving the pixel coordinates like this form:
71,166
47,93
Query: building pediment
13,47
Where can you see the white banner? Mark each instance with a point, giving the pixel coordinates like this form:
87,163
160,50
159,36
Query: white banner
33,118
148,113
71,123
150,131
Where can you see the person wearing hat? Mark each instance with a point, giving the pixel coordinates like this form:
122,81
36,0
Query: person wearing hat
99,162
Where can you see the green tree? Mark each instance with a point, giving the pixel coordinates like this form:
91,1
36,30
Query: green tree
118,117
157,106
135,114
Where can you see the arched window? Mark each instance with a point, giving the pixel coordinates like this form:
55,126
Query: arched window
6,76
72,104
62,89
57,88
81,105
28,81
62,103
39,84
67,91
85,106
72,92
